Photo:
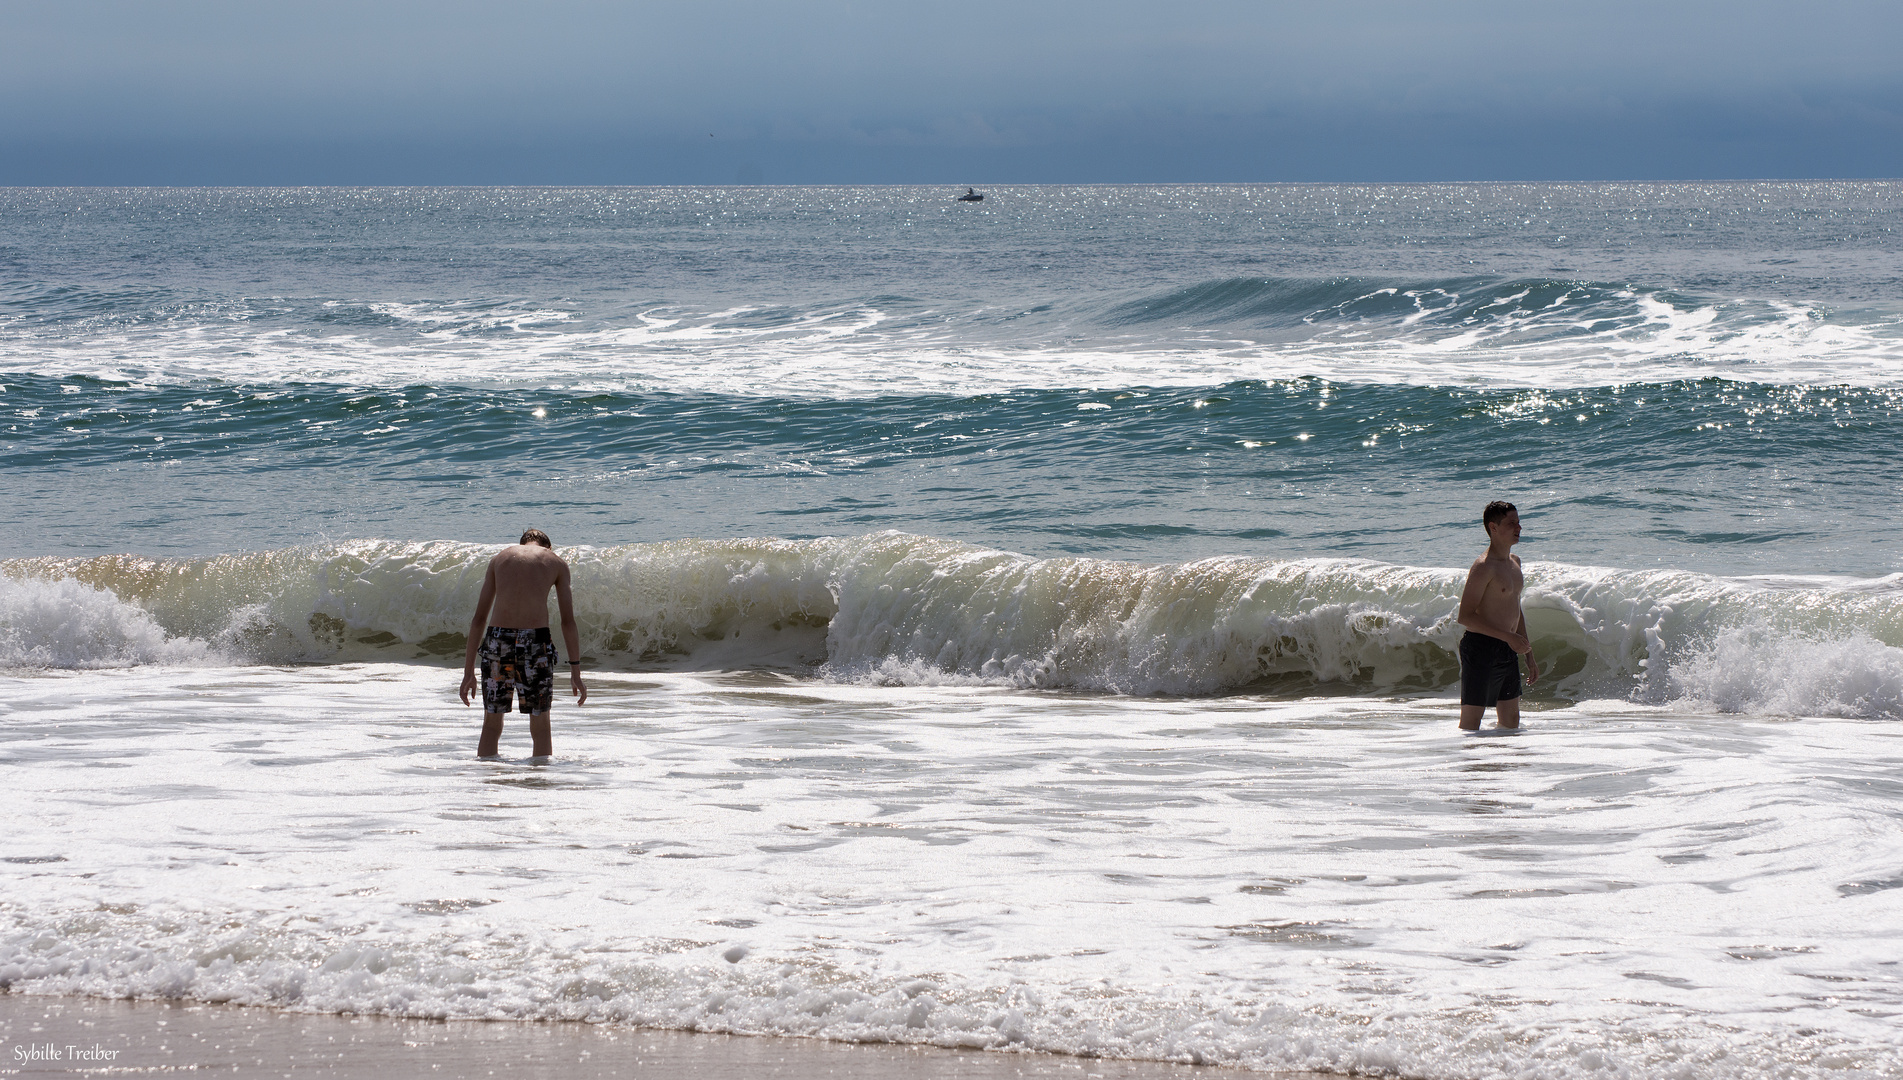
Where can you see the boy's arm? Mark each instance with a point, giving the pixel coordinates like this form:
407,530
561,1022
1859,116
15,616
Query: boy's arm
1469,615
571,634
477,625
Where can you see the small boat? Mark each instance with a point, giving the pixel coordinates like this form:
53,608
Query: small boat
971,195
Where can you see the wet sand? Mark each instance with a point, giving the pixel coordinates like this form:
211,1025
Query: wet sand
63,1036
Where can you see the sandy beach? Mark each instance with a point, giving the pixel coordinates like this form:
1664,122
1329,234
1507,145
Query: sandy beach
65,1036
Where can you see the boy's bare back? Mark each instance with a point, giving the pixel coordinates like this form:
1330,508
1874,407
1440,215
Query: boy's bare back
520,577
510,634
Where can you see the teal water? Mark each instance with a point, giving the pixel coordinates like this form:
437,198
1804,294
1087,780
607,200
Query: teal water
1712,475
1700,377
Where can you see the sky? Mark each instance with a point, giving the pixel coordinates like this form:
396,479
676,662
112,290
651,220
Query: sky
947,92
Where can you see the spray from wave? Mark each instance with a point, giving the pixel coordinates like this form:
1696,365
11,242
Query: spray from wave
892,608
62,623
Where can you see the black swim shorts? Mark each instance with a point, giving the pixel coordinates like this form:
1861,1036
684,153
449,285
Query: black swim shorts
1489,671
517,660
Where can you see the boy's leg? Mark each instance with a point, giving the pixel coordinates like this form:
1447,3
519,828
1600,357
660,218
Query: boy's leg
1506,712
539,734
491,734
1473,681
538,693
498,691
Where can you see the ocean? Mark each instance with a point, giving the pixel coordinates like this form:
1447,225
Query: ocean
1024,625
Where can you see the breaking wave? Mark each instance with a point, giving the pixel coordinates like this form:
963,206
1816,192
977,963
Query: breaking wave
894,608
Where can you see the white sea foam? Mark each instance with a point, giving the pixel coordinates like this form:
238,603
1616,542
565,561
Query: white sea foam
897,609
857,349
61,623
1756,669
1338,884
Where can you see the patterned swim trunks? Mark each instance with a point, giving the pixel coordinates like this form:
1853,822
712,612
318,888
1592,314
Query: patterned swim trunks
517,660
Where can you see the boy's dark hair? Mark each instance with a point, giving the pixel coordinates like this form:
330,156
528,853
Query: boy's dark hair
537,536
1494,512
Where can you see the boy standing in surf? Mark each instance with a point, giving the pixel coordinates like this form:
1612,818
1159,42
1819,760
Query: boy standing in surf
510,635
1496,627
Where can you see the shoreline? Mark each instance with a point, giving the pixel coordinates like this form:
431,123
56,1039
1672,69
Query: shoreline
52,1035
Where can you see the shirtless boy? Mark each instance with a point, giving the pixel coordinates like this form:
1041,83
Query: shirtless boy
1496,627
517,652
